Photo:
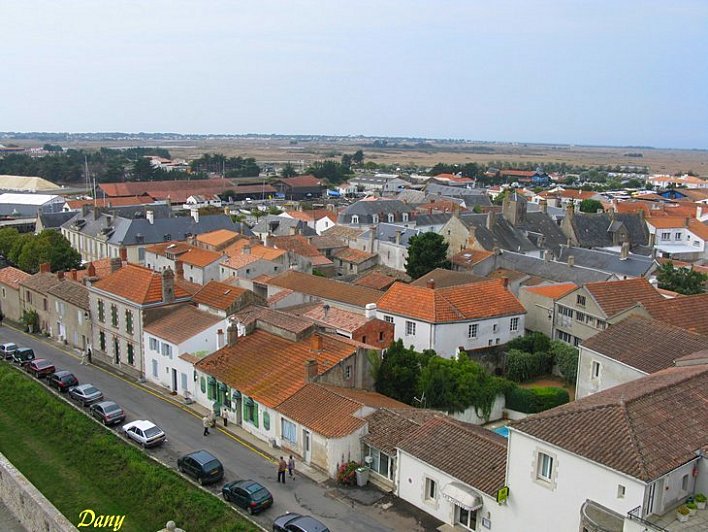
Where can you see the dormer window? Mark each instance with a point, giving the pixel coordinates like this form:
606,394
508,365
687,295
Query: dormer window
391,218
355,219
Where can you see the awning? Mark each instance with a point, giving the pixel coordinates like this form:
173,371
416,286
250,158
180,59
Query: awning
459,494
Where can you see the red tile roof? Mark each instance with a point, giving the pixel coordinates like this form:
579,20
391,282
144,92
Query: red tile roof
218,295
268,368
551,291
12,277
616,296
138,284
375,280
480,300
388,427
218,238
644,428
687,312
469,257
301,181
355,256
473,455
324,288
111,202
177,190
181,323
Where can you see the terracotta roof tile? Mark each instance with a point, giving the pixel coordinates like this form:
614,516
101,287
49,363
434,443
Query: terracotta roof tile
480,300
645,344
218,295
687,312
41,282
268,368
181,323
282,320
644,428
355,256
474,455
301,181
470,257
12,277
375,280
551,291
700,229
111,202
445,278
237,262
388,427
616,296
217,238
667,222
138,284
255,249
326,288
72,292
295,243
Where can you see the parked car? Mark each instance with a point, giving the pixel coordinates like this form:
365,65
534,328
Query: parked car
62,380
202,466
40,367
298,523
7,349
145,432
108,412
85,394
248,494
23,356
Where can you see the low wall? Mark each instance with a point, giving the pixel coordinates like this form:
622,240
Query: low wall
25,501
470,415
513,415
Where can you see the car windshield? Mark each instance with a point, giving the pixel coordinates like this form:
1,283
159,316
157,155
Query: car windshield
260,494
111,408
90,390
152,431
66,378
213,464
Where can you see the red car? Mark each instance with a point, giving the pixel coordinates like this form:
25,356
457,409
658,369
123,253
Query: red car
40,367
62,380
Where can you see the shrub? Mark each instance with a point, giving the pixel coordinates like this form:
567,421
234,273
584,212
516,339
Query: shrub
531,343
346,473
691,506
535,399
683,510
700,497
522,366
566,357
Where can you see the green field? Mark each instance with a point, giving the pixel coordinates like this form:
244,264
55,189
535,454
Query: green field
77,464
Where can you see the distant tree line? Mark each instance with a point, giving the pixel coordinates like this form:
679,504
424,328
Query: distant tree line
229,166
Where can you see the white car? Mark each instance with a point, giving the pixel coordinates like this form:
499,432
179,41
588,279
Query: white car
145,432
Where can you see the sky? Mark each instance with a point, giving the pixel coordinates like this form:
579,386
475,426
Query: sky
599,72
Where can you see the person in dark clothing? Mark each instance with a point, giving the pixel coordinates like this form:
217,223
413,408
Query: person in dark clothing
206,422
282,467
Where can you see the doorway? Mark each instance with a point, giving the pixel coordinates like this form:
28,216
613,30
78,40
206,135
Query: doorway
174,380
306,445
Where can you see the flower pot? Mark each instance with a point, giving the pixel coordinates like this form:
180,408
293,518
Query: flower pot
692,511
701,505
681,517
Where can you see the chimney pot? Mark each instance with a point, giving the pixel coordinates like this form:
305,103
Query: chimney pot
430,284
571,261
123,253
60,275
231,333
45,267
91,270
179,269
311,370
316,342
168,286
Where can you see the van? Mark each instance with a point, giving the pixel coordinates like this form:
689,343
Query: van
23,356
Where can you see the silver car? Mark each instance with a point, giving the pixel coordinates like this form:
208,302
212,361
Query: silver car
85,394
145,432
7,349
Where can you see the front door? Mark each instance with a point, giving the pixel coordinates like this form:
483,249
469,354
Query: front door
306,445
174,380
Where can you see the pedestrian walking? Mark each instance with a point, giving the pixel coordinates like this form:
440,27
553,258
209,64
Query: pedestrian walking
2,317
84,358
282,466
291,466
225,415
88,354
206,422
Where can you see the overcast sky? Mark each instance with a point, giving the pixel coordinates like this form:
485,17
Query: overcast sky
587,72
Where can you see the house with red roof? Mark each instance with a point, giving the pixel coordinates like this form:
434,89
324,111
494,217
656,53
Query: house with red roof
299,187
120,305
460,317
192,263
540,304
678,237
10,279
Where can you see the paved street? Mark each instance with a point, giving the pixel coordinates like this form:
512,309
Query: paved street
184,434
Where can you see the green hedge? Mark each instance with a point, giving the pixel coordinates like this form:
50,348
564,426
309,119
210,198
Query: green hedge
78,464
535,399
522,366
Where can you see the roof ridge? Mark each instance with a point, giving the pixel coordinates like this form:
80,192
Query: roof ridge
633,437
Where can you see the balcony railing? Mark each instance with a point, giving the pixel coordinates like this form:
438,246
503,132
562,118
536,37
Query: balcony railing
636,515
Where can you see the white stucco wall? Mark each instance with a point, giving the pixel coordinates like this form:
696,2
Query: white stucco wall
612,373
574,480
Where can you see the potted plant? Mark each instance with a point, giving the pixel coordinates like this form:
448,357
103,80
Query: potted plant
700,501
692,508
682,513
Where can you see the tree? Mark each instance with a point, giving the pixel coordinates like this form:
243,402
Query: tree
8,238
682,280
590,205
399,372
330,170
29,251
358,157
288,170
426,252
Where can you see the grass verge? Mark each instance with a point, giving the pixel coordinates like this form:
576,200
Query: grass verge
78,465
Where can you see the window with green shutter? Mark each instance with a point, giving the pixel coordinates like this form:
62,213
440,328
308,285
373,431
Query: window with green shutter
102,340
101,311
211,388
266,420
114,315
202,384
131,358
128,321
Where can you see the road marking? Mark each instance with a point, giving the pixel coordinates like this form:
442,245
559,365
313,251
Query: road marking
154,394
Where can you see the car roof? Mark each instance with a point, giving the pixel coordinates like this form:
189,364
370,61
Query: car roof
63,373
85,386
142,424
24,349
202,456
245,484
105,404
307,522
41,361
8,344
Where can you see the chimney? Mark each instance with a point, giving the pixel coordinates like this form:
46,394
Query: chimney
544,206
150,215
60,275
115,263
45,267
325,310
624,253
547,255
490,219
219,339
571,260
194,213
168,286
372,238
699,213
246,250
505,282
231,333
292,230
72,274
316,343
370,311
91,270
311,370
430,284
398,237
85,209
123,253
570,210
179,269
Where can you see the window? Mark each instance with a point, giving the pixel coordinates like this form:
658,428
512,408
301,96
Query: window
102,340
80,316
467,518
495,327
580,300
391,218
381,336
28,296
684,483
472,330
250,411
154,368
388,319
410,328
431,489
381,463
595,369
129,321
565,311
288,431
363,339
621,490
202,384
183,381
114,315
266,420
166,350
348,372
154,344
666,235
580,316
375,218
677,236
544,467
131,355
405,216
355,219
514,324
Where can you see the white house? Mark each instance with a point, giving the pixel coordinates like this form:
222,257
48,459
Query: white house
677,237
176,339
468,316
194,264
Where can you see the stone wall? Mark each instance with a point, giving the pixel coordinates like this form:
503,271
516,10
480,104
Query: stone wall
25,501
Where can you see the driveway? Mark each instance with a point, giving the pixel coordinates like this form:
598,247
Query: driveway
184,433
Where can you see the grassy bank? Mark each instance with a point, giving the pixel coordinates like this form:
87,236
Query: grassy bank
78,465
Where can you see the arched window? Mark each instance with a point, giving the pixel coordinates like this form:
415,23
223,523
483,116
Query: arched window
391,218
